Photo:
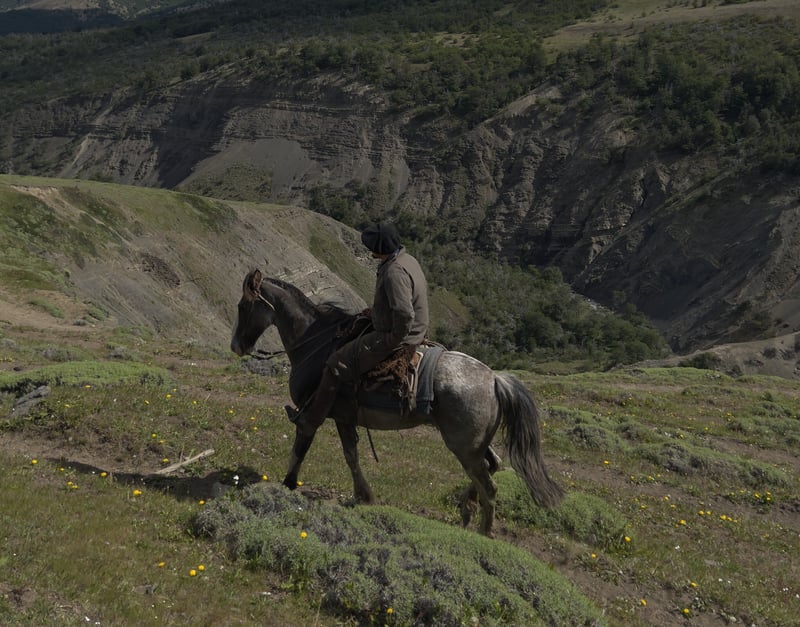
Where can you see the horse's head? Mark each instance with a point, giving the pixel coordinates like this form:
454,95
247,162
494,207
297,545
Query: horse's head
255,314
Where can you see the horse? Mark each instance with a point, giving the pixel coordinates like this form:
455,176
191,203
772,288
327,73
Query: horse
470,401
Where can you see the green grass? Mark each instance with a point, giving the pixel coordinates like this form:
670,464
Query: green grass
44,305
700,461
79,546
682,491
86,373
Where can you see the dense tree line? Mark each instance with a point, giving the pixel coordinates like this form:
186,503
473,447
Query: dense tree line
521,316
459,57
732,87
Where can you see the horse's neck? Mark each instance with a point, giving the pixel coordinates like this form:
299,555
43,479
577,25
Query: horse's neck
293,313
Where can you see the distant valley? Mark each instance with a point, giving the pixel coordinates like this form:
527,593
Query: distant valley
701,235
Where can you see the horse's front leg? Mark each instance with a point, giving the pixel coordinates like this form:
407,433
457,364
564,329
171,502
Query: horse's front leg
348,434
302,442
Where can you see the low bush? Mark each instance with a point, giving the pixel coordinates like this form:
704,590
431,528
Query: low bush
379,564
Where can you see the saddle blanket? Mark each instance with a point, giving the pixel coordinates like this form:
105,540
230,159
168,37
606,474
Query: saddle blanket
387,395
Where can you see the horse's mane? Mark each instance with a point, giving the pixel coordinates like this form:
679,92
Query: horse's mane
329,311
305,303
327,315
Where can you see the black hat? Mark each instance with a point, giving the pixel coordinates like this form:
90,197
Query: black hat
381,238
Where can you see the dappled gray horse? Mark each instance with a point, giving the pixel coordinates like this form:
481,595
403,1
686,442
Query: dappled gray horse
470,400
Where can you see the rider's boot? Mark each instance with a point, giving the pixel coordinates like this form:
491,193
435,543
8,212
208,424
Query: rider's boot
319,406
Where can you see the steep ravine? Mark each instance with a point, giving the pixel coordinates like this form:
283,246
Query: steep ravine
708,252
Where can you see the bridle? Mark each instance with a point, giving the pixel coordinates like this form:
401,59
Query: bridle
261,297
270,354
261,354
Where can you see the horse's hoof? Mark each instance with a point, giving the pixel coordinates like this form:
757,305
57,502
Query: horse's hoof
290,482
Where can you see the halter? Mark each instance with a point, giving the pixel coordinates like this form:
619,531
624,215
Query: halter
261,354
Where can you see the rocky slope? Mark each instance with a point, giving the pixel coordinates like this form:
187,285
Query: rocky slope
709,254
156,262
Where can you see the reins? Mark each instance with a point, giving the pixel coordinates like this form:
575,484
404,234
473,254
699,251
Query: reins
262,354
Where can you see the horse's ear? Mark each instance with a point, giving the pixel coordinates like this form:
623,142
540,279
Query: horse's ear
252,284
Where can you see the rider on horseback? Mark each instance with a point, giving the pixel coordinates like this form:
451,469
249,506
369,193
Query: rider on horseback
399,316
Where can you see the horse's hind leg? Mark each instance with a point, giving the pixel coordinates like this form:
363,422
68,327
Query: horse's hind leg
478,471
468,502
349,437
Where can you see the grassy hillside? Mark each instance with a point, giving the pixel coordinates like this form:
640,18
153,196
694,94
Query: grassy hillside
80,252
627,19
83,252
682,500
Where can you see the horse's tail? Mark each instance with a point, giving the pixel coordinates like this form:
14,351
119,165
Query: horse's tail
523,439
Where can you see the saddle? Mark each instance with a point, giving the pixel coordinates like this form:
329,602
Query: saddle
394,384
395,377
403,382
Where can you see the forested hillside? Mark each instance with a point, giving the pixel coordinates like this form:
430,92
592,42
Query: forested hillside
654,169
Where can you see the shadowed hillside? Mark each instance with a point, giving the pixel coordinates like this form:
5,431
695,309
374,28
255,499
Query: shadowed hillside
169,263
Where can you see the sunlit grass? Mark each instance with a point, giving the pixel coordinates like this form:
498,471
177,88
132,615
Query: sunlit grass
681,486
104,553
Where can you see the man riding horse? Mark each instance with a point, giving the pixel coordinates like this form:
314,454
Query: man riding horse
469,401
399,316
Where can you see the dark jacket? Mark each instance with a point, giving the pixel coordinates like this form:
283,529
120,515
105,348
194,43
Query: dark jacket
400,306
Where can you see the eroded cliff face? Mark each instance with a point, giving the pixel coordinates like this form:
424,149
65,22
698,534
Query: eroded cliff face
707,251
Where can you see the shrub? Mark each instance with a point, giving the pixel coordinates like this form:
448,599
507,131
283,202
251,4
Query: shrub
702,361
364,561
582,517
